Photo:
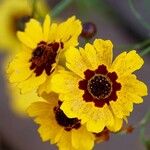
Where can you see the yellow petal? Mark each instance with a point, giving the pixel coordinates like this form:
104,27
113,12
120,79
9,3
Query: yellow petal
73,107
117,125
25,39
20,102
49,131
46,27
95,126
130,84
46,87
82,136
75,62
69,31
34,31
119,109
90,56
127,63
38,108
65,141
104,51
99,118
31,83
108,116
44,132
135,98
52,33
64,82
18,69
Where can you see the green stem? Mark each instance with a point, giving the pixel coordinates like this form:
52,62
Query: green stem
142,44
137,15
135,46
143,123
145,51
145,120
33,8
60,7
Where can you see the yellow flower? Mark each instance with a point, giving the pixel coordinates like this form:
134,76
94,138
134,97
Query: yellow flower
56,127
43,46
14,14
96,90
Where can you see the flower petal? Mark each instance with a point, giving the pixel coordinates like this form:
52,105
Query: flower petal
90,56
75,62
130,84
64,82
31,83
127,63
20,102
65,141
26,40
32,35
18,69
104,51
46,27
69,31
82,136
38,109
117,125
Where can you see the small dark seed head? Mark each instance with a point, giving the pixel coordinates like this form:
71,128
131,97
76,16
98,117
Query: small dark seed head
89,30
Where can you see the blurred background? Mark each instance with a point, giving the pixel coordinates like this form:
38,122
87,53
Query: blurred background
127,24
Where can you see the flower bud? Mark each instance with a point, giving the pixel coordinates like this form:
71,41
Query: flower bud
89,30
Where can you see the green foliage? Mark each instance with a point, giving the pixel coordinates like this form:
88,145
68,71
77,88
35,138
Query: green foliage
143,123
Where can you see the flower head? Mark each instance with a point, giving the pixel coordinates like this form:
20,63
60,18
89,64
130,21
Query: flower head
43,47
14,15
96,90
67,133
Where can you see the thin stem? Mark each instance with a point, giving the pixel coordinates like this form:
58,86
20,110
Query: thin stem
139,45
143,123
60,7
33,7
137,15
142,44
146,119
145,51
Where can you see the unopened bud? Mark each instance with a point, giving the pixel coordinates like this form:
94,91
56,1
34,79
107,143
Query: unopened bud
89,30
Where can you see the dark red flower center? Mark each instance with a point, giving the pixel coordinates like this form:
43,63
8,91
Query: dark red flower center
64,121
44,56
100,86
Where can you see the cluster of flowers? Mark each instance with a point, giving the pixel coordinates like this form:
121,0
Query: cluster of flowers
81,93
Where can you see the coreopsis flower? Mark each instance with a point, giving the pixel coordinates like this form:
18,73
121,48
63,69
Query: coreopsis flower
14,15
56,127
43,47
96,90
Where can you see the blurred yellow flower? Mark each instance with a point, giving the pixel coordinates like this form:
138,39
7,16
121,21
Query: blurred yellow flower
43,45
96,90
67,133
14,15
